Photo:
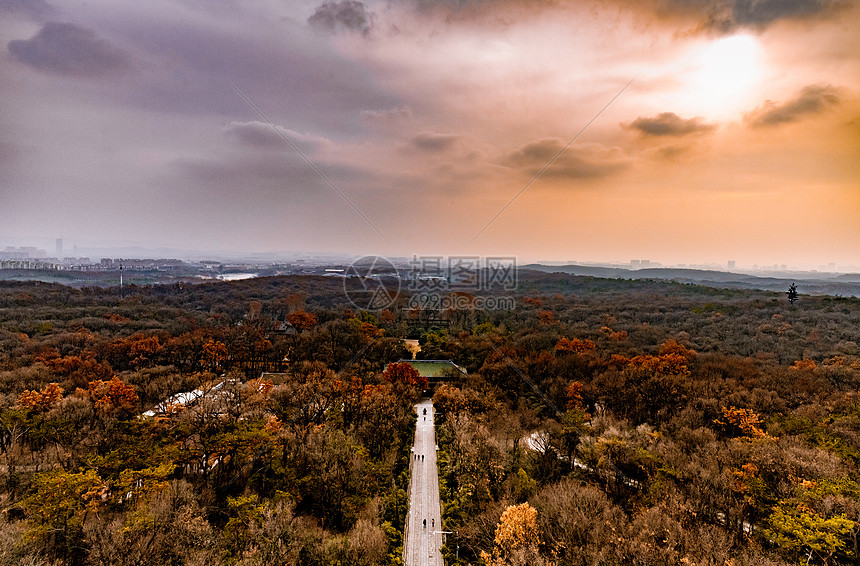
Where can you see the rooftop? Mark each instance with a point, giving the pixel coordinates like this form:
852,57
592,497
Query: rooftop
433,368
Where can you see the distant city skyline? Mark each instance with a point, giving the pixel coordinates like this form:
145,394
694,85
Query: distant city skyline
680,132
94,253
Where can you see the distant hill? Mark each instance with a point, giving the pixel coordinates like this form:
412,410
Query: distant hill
810,283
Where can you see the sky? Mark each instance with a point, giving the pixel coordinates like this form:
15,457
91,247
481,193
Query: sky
680,131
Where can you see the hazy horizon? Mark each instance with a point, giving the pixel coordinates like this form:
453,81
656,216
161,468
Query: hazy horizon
139,250
592,132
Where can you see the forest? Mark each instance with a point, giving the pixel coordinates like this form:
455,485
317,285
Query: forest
601,421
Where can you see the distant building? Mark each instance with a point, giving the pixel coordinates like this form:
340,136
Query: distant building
434,370
731,264
23,252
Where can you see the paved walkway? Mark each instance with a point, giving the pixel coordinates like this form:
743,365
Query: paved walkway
424,523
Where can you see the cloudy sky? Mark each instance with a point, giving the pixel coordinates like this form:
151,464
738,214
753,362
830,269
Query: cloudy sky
682,131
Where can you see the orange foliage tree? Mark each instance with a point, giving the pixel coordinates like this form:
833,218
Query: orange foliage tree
113,397
741,422
404,373
302,320
214,352
664,364
369,331
546,317
144,349
574,345
574,396
41,401
804,364
79,369
673,347
517,534
133,351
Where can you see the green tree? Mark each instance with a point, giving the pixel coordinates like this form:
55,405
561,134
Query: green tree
57,508
800,530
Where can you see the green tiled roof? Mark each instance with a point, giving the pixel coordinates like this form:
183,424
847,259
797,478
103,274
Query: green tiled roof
433,368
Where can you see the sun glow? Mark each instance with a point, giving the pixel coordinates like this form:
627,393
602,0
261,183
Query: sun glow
724,74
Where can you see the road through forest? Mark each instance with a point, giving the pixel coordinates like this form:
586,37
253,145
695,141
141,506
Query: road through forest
423,523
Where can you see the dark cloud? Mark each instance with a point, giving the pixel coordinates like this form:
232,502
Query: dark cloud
813,99
487,12
433,142
262,135
351,15
723,16
761,13
726,16
670,124
297,78
31,8
67,49
580,161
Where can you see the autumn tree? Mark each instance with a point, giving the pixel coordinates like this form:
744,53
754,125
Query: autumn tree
800,530
113,398
741,422
214,353
383,419
302,321
579,523
673,347
41,401
133,352
165,526
574,345
78,369
546,317
58,506
804,365
815,521
573,424
574,395
449,399
401,372
517,540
